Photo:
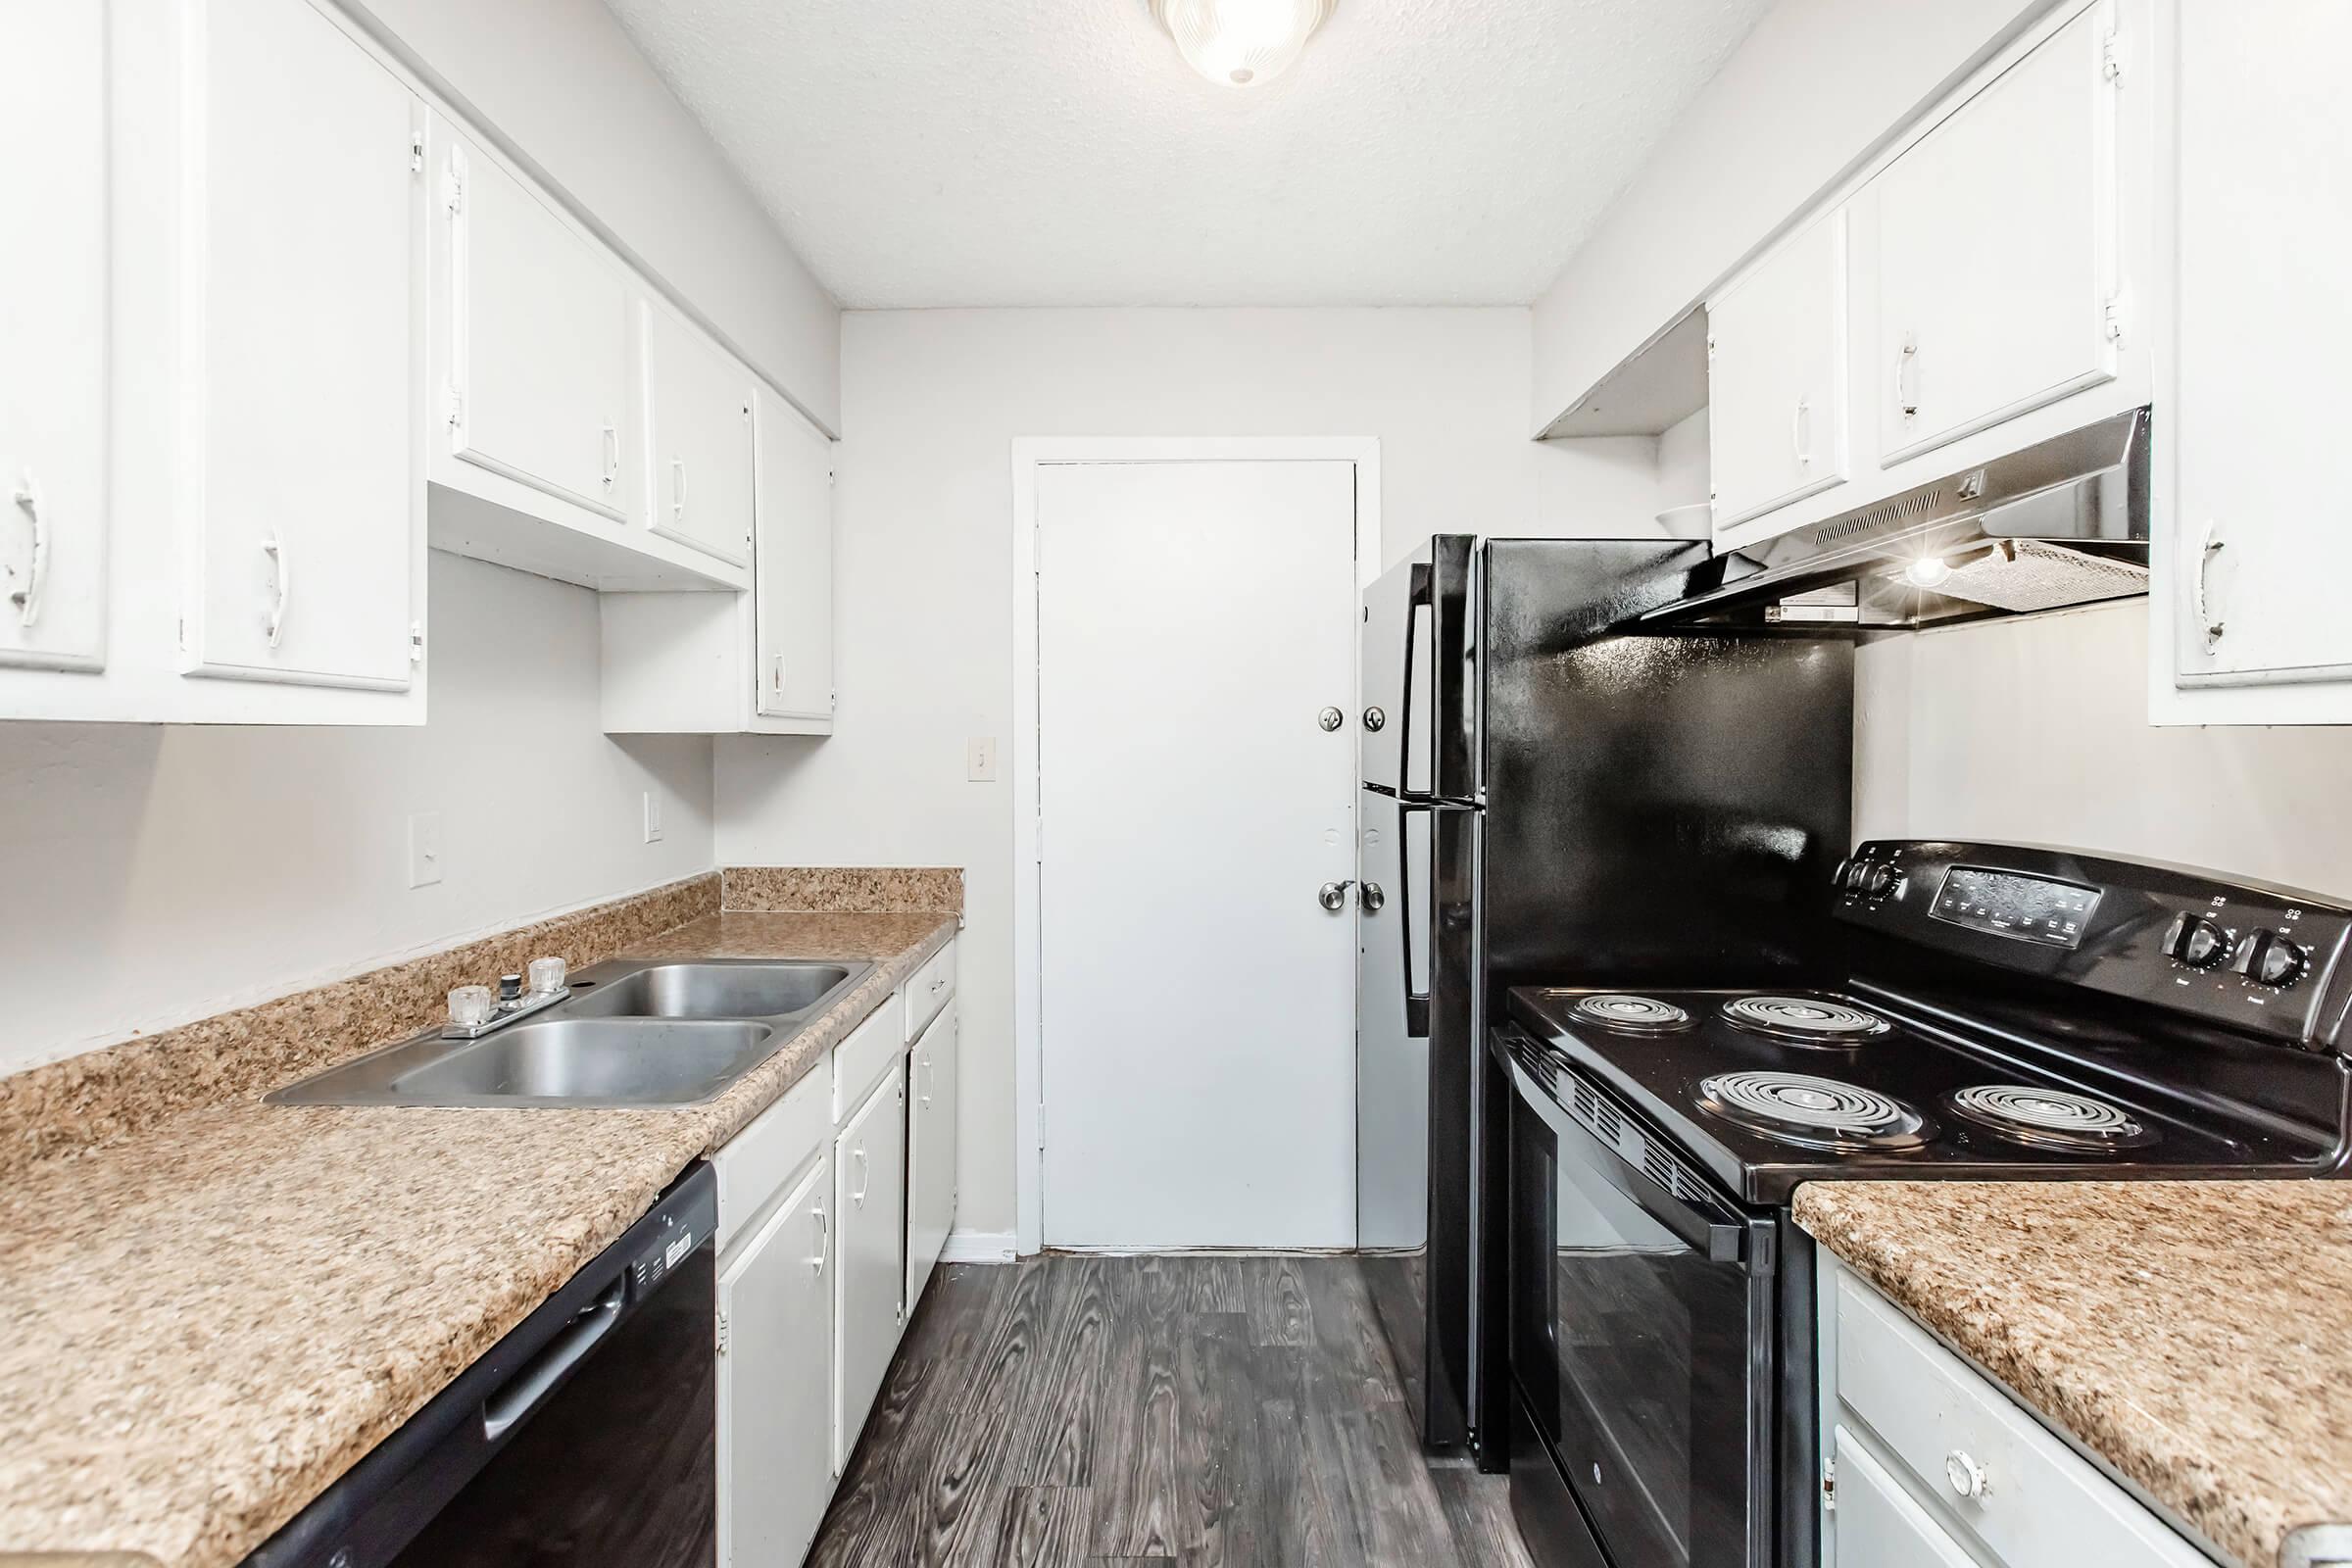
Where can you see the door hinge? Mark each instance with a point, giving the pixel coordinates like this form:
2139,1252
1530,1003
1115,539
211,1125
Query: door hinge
2114,318
183,635
1829,1484
415,152
415,642
2111,57
722,1332
457,409
1710,347
452,189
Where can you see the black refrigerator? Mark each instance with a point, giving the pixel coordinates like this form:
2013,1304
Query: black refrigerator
1547,795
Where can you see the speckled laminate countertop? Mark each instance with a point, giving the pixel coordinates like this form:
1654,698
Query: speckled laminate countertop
208,1322
2197,1335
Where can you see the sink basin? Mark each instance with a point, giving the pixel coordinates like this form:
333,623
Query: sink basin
592,1061
633,1033
716,990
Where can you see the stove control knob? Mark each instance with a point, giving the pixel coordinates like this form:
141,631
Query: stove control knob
2271,959
1844,878
1880,880
2197,942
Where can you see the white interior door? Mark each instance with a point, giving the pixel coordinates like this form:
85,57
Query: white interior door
1199,1084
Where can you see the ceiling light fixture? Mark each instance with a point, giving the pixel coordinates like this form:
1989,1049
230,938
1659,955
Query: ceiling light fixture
1240,43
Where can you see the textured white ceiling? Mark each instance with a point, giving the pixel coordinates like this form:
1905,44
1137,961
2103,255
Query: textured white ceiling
1058,152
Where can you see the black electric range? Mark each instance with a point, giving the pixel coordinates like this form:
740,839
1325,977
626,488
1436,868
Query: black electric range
1997,1012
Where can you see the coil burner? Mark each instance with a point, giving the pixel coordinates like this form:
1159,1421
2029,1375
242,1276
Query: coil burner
1814,1113
1628,1014
2049,1118
1804,1020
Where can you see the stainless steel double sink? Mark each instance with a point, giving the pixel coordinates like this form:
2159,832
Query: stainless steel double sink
643,1033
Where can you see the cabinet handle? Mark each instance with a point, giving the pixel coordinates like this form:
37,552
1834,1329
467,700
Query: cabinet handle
1799,428
926,1095
282,570
824,1239
1968,1478
677,489
859,1196
611,456
27,599
2212,547
776,674
1904,359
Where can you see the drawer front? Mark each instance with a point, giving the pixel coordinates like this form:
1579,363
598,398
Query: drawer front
757,1162
928,991
1878,1525
1991,1466
863,1059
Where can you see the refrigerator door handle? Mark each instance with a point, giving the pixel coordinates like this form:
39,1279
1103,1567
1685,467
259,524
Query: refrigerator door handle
1419,599
1416,998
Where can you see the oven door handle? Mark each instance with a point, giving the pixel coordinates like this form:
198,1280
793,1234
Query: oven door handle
1711,1229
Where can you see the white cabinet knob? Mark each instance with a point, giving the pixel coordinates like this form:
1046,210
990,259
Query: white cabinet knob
1968,1478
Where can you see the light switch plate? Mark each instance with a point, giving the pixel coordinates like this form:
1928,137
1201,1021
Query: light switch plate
981,760
424,848
652,816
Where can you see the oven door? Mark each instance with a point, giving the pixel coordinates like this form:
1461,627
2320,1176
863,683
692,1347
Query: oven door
1642,1328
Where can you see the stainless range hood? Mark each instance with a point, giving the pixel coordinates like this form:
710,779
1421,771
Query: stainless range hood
2061,523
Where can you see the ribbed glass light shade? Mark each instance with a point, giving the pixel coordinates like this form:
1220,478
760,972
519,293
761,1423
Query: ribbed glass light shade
1240,43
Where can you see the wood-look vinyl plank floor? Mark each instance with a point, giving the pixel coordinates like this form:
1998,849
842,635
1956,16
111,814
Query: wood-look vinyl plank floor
1154,1412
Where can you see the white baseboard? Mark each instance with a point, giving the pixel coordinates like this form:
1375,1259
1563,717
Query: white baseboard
979,1246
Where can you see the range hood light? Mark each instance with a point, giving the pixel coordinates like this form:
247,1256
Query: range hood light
1240,43
1927,572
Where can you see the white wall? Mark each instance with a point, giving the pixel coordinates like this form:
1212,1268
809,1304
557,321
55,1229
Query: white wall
1813,91
562,86
932,401
158,874
2038,730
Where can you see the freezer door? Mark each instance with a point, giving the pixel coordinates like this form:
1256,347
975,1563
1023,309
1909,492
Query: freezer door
1419,718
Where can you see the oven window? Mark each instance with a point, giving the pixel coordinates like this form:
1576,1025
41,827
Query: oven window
1632,1350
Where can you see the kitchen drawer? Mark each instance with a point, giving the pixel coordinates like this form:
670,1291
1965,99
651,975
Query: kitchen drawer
760,1162
1991,1467
1880,1525
928,991
863,1059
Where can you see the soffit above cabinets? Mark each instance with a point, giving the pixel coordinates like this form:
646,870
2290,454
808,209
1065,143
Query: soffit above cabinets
1648,394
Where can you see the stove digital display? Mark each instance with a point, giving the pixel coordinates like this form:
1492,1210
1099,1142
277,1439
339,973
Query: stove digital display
2029,908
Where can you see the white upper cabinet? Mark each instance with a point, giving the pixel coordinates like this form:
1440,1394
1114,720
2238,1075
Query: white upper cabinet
698,431
2251,516
53,334
1996,235
793,572
1776,376
300,501
533,323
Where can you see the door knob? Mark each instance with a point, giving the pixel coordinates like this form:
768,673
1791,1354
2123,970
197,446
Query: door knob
1331,719
1374,718
1333,894
1372,897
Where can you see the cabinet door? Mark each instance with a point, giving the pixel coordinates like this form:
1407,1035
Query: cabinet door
2262,546
930,1151
698,410
1877,1525
538,325
304,499
775,1382
792,570
1997,244
870,1179
53,323
1776,378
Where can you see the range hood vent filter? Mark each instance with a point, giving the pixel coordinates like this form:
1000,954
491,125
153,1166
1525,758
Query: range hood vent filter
2029,575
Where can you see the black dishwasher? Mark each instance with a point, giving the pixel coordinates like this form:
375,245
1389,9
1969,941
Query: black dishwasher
585,1438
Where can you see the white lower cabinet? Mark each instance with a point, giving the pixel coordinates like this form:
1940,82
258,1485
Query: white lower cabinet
775,1385
1933,1463
869,1185
930,1151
